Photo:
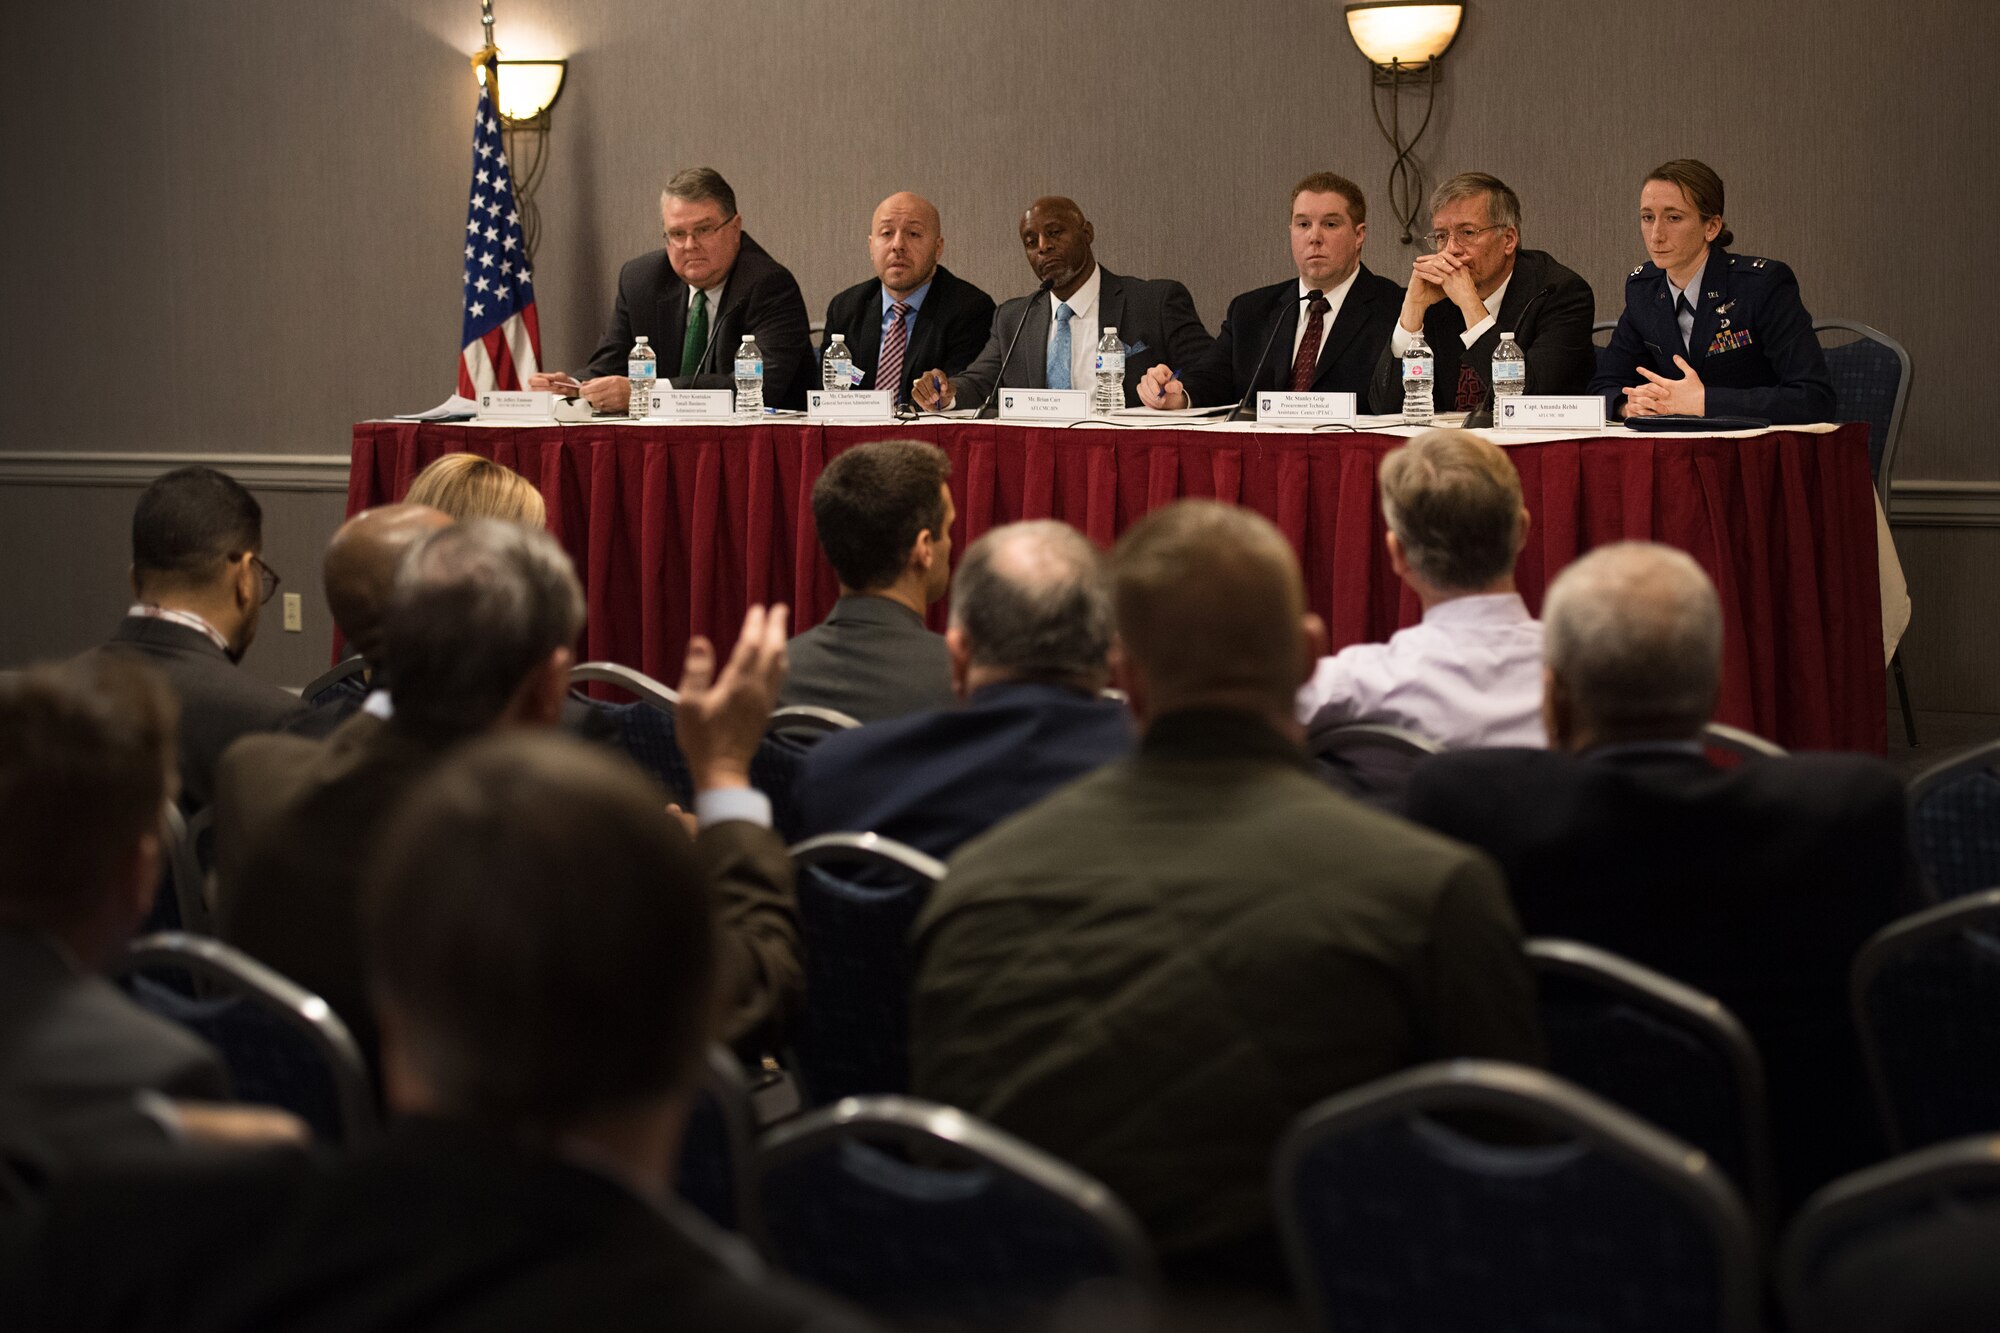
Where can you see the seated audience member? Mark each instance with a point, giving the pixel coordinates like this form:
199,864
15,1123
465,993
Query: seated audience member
199,584
542,941
86,764
1155,970
358,570
1931,1273
478,633
884,515
914,312
1030,640
1471,673
464,486
1756,884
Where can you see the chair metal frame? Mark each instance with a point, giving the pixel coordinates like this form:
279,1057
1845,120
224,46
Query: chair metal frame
339,671
1979,759
809,721
1349,737
1737,741
1691,1009
1893,435
1602,326
636,683
868,848
1550,1103
926,1127
234,972
1893,941
1883,1191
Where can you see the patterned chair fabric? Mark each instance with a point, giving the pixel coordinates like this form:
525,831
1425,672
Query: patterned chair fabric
646,734
1870,383
1955,808
715,1151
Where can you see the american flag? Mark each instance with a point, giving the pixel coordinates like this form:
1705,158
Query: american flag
502,341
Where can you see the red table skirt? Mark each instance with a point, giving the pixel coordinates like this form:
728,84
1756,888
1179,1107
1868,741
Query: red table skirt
676,529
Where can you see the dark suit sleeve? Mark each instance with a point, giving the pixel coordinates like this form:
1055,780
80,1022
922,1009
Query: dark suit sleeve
1618,365
965,333
762,966
610,356
774,312
1804,391
977,380
1482,994
1210,378
1561,357
1187,338
1385,391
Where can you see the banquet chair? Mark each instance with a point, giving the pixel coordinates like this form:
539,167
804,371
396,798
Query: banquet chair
1370,761
1955,814
1600,335
1738,743
917,1212
806,725
347,676
1586,1218
1926,998
645,729
716,1149
635,683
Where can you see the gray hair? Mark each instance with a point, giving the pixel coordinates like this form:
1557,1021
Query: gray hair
1454,502
1633,632
475,608
1034,599
1503,206
696,184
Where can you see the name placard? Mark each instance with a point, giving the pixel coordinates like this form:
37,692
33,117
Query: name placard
1045,404
512,406
1548,412
850,405
1307,409
692,404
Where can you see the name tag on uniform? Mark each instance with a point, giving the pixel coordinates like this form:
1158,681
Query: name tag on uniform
1306,409
850,405
1045,404
511,406
1548,412
693,404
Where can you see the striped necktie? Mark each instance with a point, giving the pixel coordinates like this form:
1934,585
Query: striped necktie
1058,367
889,371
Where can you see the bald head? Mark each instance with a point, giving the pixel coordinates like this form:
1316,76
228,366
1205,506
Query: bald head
1211,612
1632,644
905,238
1057,239
360,567
1032,601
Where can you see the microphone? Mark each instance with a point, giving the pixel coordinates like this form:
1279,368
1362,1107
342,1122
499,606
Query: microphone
1243,404
714,332
1482,417
1008,355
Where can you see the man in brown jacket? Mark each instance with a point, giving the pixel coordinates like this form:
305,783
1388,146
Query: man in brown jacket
1153,972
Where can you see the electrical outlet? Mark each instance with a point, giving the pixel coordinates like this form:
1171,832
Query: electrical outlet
295,619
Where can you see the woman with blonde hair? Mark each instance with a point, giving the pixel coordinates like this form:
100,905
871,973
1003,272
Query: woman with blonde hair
468,486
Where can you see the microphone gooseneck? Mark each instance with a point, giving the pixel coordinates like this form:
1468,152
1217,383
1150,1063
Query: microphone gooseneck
1243,403
1028,309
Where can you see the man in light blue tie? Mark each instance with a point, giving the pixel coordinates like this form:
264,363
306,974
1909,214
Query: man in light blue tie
1054,333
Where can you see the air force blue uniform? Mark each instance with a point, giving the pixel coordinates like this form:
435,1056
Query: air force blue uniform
1753,344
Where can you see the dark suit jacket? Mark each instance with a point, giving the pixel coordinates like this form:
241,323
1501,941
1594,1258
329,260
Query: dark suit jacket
74,1052
870,658
1346,355
760,297
446,1227
1554,333
950,328
1753,344
1756,885
936,780
219,700
1155,319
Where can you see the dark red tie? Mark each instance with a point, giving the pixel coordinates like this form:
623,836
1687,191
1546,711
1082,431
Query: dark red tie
1471,389
889,371
1308,358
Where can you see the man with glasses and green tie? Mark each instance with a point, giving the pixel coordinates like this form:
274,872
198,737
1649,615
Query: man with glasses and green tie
694,300
1473,283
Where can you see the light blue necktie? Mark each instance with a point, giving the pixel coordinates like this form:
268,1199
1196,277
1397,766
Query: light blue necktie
1058,375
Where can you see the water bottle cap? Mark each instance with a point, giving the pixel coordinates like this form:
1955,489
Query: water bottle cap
749,337
1506,337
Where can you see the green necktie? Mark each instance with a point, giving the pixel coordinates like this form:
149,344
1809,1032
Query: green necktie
696,341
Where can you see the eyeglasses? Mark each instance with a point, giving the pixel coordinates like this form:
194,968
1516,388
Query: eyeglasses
1465,236
681,240
267,578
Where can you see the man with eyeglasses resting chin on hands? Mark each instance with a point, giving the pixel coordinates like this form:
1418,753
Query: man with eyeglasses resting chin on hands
1476,282
694,300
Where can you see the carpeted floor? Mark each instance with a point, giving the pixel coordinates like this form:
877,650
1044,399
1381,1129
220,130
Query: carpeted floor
1941,736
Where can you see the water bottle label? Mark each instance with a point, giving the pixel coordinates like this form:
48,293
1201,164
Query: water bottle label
747,369
854,374
1418,370
1111,361
637,370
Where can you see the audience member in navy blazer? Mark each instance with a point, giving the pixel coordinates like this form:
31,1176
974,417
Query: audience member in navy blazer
1029,640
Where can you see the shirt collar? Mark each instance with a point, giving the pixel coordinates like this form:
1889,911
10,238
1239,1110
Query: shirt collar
1693,289
1083,301
1334,296
185,619
1499,295
714,295
1486,608
915,300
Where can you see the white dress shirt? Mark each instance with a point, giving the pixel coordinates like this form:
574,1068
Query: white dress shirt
1334,300
1400,337
1082,330
1468,676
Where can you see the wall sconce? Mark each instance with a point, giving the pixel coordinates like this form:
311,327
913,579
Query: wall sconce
528,88
1405,41
525,90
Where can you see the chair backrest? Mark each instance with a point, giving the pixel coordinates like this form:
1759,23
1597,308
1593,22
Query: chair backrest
1871,383
1667,1053
714,1171
805,725
1926,997
635,683
1370,760
1588,1219
918,1212
326,681
646,734
1955,820
192,857
1876,1203
283,1045
1739,743
1600,335
858,895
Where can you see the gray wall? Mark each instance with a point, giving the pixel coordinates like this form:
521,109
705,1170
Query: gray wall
260,199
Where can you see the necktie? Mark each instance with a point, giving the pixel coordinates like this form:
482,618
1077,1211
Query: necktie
889,370
1684,316
697,334
1307,359
1058,367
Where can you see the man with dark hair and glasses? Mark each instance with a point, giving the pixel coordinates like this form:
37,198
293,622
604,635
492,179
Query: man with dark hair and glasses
199,584
1474,283
694,300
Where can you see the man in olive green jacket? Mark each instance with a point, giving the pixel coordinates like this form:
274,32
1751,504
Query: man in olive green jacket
1153,972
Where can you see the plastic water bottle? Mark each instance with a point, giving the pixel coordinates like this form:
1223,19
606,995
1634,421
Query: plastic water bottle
1510,369
836,364
1107,393
1419,379
749,378
640,368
